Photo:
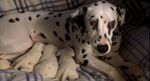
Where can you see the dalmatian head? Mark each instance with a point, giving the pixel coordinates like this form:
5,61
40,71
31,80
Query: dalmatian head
99,21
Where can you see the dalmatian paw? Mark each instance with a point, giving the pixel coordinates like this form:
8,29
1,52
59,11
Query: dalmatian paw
68,67
48,64
28,60
4,64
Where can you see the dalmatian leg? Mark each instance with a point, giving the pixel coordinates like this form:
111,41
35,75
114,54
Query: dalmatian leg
105,68
86,58
130,68
28,60
68,67
4,64
48,65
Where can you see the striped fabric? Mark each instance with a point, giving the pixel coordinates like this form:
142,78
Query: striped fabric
135,47
136,39
14,75
8,6
134,8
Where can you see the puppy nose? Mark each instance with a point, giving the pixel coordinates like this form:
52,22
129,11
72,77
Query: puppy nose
102,48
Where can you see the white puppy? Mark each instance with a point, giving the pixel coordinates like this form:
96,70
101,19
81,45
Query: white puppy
68,67
28,60
48,64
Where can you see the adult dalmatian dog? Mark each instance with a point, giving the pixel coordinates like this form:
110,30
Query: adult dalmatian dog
88,31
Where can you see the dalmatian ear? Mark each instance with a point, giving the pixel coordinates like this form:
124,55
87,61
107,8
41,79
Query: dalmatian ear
78,16
121,15
79,12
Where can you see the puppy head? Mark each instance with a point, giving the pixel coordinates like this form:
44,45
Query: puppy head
99,21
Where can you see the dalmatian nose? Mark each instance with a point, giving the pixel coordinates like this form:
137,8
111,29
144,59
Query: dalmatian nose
102,48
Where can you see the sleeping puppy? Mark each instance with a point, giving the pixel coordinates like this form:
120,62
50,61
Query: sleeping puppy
47,65
67,65
27,61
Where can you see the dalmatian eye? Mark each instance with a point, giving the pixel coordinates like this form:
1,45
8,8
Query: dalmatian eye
111,24
93,23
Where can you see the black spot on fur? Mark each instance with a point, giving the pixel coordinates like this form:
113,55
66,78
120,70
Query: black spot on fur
61,39
114,43
42,52
105,35
124,67
85,62
85,55
30,18
112,8
30,36
38,15
67,24
108,58
78,39
103,2
109,31
50,13
67,37
102,57
83,50
55,33
11,21
88,42
42,35
111,26
45,18
100,37
118,11
57,23
60,14
93,28
19,68
17,19
101,17
54,15
83,41
95,4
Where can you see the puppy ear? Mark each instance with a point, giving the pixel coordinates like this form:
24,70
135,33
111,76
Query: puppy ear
121,15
